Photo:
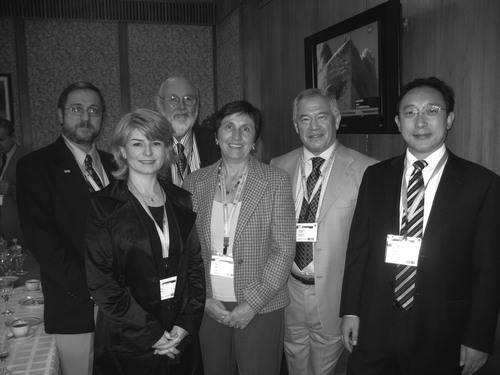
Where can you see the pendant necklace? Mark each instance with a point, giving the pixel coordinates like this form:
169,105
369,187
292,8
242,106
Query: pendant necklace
234,187
152,199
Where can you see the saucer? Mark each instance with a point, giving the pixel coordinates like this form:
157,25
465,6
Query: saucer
31,333
31,320
13,278
32,291
31,301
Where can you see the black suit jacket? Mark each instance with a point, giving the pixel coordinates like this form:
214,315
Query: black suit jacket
457,295
53,199
208,150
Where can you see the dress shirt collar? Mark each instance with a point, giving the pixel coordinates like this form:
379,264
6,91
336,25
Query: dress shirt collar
432,160
308,155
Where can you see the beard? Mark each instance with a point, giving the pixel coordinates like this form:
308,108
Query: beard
82,133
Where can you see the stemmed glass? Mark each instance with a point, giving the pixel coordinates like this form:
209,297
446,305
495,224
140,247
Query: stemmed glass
20,257
4,262
4,353
6,290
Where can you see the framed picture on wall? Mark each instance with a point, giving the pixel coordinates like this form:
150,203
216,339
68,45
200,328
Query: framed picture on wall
6,97
358,61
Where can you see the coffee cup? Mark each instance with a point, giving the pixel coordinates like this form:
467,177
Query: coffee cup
32,284
20,328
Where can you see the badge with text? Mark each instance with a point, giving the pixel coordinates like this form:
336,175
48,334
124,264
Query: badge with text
167,287
401,250
307,232
222,265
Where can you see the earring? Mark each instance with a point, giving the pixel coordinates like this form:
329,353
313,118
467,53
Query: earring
217,142
253,147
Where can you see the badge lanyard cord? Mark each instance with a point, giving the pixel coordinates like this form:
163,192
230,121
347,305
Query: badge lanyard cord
409,214
163,235
326,173
228,216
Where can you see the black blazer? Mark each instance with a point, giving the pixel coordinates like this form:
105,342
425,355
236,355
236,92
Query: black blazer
124,266
208,150
53,199
457,295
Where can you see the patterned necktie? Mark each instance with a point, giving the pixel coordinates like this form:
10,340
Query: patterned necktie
405,277
91,171
4,161
304,250
182,162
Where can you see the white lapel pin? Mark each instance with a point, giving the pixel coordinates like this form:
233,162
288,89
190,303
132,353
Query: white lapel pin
67,171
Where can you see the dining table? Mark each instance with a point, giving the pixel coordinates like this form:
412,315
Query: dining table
35,353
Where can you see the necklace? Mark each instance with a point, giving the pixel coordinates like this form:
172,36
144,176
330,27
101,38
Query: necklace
234,187
152,199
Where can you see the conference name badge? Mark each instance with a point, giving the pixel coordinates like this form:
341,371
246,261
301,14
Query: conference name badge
307,232
222,265
167,287
402,250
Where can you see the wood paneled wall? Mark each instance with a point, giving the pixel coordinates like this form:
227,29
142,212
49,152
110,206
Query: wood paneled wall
455,40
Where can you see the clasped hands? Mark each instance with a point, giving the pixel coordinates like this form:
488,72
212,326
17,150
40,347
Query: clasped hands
168,342
240,317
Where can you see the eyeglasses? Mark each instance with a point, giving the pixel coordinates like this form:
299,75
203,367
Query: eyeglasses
428,110
173,100
79,111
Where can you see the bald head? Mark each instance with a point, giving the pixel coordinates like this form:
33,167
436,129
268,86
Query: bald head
177,100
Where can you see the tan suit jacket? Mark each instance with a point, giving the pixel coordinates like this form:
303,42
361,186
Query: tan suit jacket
334,224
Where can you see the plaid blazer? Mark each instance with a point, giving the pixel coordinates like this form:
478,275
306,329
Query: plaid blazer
264,242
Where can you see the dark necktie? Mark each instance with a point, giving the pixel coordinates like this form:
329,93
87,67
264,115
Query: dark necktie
405,276
183,164
304,250
4,162
91,171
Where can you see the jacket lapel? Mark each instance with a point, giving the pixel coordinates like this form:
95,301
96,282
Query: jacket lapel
255,187
340,173
392,188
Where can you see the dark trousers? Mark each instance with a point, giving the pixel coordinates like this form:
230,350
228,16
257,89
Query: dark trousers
255,350
394,358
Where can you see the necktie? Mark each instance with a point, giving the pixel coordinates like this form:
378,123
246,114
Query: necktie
304,250
182,162
405,277
4,162
92,172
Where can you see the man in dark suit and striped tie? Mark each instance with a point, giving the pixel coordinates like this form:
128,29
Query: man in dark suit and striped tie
53,187
421,289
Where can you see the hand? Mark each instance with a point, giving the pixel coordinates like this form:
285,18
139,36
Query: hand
215,309
4,187
471,359
168,342
240,316
349,330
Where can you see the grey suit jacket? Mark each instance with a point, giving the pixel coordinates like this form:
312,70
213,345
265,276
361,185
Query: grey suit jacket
335,218
9,217
264,242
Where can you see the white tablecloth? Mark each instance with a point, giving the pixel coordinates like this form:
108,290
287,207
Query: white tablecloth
36,355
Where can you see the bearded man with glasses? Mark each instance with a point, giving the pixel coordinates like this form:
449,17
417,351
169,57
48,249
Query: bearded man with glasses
178,100
53,188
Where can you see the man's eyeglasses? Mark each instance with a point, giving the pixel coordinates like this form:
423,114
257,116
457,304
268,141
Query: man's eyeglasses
173,100
428,110
79,111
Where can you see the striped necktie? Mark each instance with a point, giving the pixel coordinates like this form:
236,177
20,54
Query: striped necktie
304,250
405,276
182,161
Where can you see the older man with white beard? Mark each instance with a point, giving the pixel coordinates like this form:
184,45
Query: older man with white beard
178,100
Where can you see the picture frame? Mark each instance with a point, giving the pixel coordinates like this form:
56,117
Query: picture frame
6,108
358,61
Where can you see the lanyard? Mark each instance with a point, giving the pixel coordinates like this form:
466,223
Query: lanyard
323,176
228,216
163,235
418,198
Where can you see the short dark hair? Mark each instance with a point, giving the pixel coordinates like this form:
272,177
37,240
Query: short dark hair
79,86
435,83
7,125
240,107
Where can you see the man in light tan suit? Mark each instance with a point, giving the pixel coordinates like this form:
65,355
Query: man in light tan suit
325,180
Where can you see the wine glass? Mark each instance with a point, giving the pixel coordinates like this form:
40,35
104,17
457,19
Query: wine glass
4,353
4,262
21,256
6,290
